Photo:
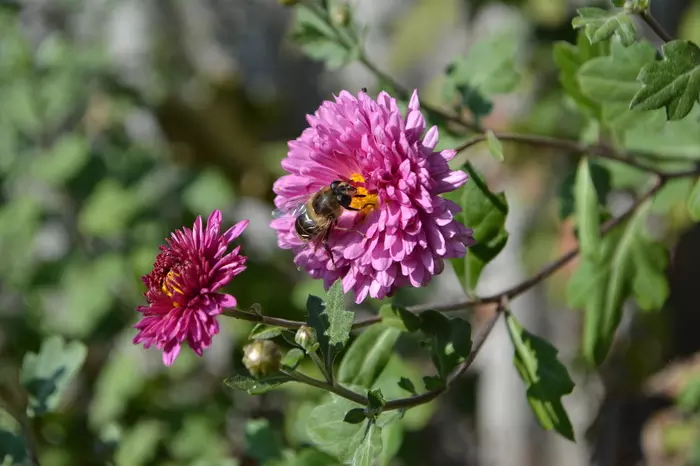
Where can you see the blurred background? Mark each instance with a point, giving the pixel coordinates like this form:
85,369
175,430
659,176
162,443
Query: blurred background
122,120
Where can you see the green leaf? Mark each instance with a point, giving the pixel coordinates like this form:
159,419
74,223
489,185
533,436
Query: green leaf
376,399
673,82
139,445
366,358
495,147
261,442
331,322
47,374
600,175
328,431
672,139
569,58
489,67
293,358
450,341
370,447
108,210
392,438
13,447
319,41
399,317
407,385
587,216
694,202
601,25
65,160
339,320
614,77
210,190
629,263
264,332
546,379
355,416
254,386
484,212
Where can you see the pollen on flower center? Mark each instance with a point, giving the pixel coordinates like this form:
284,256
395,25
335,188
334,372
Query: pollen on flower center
367,203
170,286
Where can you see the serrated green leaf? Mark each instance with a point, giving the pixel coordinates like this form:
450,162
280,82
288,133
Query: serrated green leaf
47,374
368,355
254,386
319,41
546,379
407,385
370,447
600,25
614,77
450,341
569,58
292,358
489,67
261,442
264,332
399,317
494,145
679,139
331,322
587,216
694,202
339,320
485,213
330,433
355,416
673,82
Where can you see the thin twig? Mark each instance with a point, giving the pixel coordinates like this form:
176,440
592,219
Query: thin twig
599,150
337,388
655,26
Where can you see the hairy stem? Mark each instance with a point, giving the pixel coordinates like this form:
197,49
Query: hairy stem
337,388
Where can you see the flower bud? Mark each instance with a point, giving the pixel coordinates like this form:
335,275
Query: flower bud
306,338
340,14
261,357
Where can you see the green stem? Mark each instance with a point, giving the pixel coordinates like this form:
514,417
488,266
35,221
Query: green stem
337,388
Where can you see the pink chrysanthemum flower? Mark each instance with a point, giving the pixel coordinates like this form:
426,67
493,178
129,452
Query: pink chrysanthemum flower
403,230
183,302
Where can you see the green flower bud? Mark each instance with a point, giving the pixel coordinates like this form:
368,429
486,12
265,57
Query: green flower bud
306,338
340,14
261,357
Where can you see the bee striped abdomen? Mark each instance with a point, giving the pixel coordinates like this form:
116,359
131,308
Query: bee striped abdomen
305,226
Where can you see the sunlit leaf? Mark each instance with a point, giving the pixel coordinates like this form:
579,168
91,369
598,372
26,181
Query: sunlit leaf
367,356
46,375
673,82
264,332
370,447
546,379
319,41
587,217
494,145
292,358
485,213
254,386
601,25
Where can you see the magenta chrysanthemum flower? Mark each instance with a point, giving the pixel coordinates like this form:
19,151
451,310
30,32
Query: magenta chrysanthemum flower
404,230
183,302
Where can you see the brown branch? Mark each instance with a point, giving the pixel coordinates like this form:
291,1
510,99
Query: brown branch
599,150
655,26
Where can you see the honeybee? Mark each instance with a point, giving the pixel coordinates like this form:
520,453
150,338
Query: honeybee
318,213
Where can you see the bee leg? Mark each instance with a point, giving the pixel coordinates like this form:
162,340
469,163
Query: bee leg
350,229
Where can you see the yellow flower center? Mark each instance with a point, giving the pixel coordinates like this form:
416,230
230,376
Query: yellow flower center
170,285
367,203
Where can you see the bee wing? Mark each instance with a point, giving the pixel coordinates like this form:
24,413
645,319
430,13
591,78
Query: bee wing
292,207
